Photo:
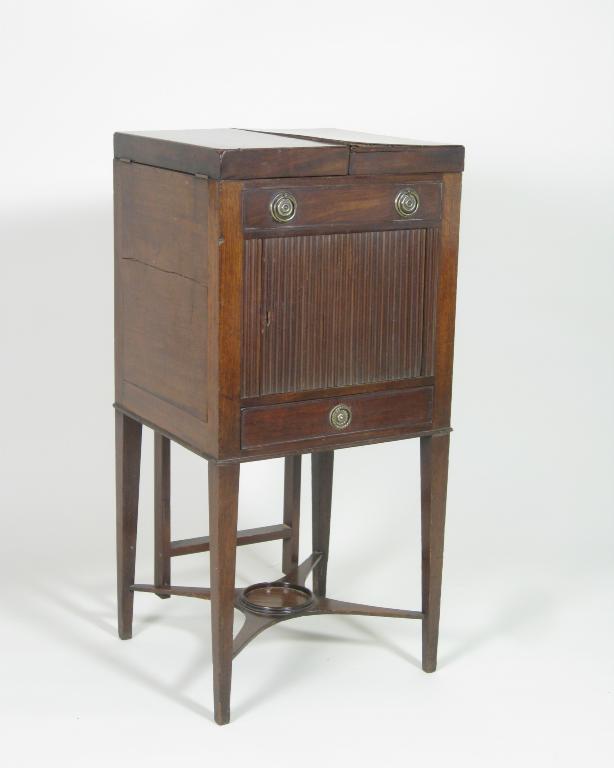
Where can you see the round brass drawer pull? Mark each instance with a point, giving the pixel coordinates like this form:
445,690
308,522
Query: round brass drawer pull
283,207
340,417
407,202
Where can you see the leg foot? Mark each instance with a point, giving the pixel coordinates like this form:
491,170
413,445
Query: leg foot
127,476
223,510
434,480
321,498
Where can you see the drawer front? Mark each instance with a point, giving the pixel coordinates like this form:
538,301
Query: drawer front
334,417
341,207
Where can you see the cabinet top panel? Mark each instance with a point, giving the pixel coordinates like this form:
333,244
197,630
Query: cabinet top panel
232,153
357,140
373,154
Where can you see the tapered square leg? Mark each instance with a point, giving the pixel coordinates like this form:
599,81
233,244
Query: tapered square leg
127,475
292,511
162,512
321,499
223,511
434,480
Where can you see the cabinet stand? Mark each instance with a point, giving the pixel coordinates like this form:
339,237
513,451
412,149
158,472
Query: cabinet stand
276,601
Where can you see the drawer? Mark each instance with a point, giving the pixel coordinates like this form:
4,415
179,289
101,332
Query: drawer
336,417
341,206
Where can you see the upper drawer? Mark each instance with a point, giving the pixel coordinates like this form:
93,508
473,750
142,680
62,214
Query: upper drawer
341,206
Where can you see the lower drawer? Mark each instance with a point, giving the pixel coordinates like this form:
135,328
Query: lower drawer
334,417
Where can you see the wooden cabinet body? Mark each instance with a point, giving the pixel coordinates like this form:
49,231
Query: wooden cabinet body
229,322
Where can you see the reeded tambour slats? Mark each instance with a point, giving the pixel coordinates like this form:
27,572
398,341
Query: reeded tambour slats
337,310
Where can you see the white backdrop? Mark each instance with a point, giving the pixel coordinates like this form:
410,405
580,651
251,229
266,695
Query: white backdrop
526,667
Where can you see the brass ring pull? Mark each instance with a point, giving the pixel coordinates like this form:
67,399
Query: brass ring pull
340,416
283,207
407,202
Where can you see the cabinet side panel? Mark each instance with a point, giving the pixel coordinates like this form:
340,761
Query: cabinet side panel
161,240
446,300
165,330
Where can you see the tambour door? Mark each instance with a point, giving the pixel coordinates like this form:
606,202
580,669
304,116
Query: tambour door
322,311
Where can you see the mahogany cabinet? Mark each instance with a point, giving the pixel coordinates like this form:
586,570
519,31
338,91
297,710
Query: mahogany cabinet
280,293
